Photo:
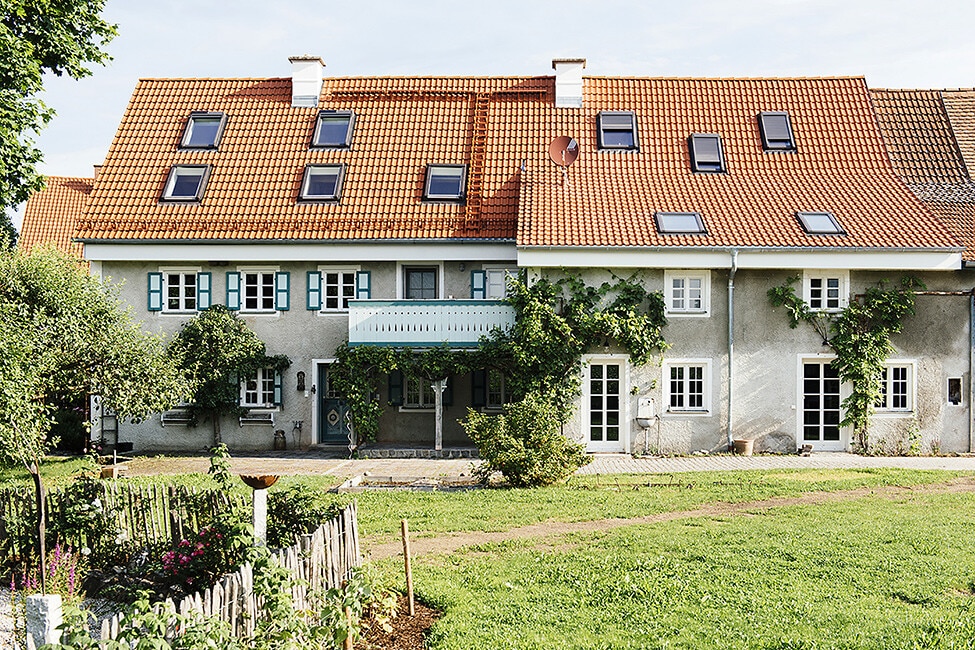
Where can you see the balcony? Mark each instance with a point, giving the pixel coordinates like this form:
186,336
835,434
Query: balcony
426,323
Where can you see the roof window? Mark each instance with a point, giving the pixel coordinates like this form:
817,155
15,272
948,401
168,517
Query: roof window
445,182
616,130
322,182
820,223
186,182
776,131
333,130
203,130
679,223
707,154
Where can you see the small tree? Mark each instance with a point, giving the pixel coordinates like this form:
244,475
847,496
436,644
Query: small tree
64,332
216,349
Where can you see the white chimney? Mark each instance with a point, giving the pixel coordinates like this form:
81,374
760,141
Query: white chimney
568,82
306,80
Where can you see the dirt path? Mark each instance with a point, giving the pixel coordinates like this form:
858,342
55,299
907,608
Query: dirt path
451,542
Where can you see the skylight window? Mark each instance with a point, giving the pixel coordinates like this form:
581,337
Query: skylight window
617,130
203,130
820,223
322,182
776,131
445,182
333,129
186,182
679,223
707,154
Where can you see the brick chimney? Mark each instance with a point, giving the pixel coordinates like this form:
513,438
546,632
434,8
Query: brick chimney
568,82
306,80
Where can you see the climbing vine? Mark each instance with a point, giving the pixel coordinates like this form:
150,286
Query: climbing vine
555,324
860,336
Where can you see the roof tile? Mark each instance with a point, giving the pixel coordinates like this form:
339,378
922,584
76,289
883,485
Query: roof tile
50,215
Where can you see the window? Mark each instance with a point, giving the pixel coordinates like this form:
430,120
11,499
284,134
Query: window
338,288
826,290
679,223
203,130
707,155
333,129
819,223
896,388
496,397
420,283
179,291
491,284
686,386
261,390
687,292
186,182
419,394
322,182
616,130
445,182
776,131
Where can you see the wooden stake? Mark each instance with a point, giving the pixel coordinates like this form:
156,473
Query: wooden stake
348,640
409,570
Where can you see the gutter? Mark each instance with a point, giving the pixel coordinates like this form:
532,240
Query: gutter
971,371
731,344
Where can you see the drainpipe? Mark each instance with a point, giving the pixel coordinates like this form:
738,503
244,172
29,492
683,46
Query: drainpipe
971,371
731,344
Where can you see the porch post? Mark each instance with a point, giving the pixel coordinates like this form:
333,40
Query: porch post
438,388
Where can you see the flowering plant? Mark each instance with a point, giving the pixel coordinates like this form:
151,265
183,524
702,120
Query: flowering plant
196,563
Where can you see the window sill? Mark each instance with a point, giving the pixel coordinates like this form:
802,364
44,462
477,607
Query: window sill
418,409
688,413
688,314
892,414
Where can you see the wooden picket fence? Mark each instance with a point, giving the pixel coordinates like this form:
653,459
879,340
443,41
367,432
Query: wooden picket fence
146,514
321,560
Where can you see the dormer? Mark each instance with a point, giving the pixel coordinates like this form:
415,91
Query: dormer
568,82
306,80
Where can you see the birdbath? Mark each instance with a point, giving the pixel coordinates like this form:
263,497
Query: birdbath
260,484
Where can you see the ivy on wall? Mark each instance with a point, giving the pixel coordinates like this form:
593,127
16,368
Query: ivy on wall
556,322
860,336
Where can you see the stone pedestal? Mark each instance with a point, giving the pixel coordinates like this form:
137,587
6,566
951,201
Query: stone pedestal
43,620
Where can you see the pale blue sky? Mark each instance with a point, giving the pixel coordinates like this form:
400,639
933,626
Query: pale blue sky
894,43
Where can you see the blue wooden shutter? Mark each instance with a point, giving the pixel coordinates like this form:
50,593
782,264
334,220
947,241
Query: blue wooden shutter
233,290
314,290
396,388
155,295
282,291
479,285
363,285
448,392
204,283
278,393
479,388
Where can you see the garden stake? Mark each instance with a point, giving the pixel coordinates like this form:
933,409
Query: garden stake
347,645
409,571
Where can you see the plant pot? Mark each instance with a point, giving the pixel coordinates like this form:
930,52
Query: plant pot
744,447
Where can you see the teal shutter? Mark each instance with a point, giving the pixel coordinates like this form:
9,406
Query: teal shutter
278,393
314,290
396,388
363,285
282,291
204,283
479,388
478,285
233,290
448,392
155,295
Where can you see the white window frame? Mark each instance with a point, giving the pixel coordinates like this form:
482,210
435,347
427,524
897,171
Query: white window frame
182,271
624,408
808,277
887,384
706,386
322,270
504,272
704,310
422,387
401,277
178,171
496,405
262,376
262,270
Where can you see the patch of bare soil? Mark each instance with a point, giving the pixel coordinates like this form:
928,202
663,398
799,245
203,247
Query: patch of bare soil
449,543
409,632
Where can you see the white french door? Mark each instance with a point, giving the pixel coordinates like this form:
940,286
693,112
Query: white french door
820,416
604,417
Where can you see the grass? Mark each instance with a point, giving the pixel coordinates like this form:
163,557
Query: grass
869,573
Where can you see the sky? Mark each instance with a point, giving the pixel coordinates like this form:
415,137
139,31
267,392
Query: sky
893,43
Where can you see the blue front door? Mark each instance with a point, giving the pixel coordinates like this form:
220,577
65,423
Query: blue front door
333,413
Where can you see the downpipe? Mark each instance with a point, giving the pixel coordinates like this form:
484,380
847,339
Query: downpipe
731,345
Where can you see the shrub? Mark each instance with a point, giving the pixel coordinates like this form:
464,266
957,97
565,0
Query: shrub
297,510
525,443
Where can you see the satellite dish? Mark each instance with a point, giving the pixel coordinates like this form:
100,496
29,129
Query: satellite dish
563,150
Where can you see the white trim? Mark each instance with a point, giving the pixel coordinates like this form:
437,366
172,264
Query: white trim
165,270
333,252
623,445
889,412
242,271
316,397
704,276
259,376
843,444
748,258
843,289
705,409
400,266
336,268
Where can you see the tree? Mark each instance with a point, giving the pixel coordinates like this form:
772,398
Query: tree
62,331
36,38
215,349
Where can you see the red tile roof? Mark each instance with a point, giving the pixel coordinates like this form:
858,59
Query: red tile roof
50,215
497,126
